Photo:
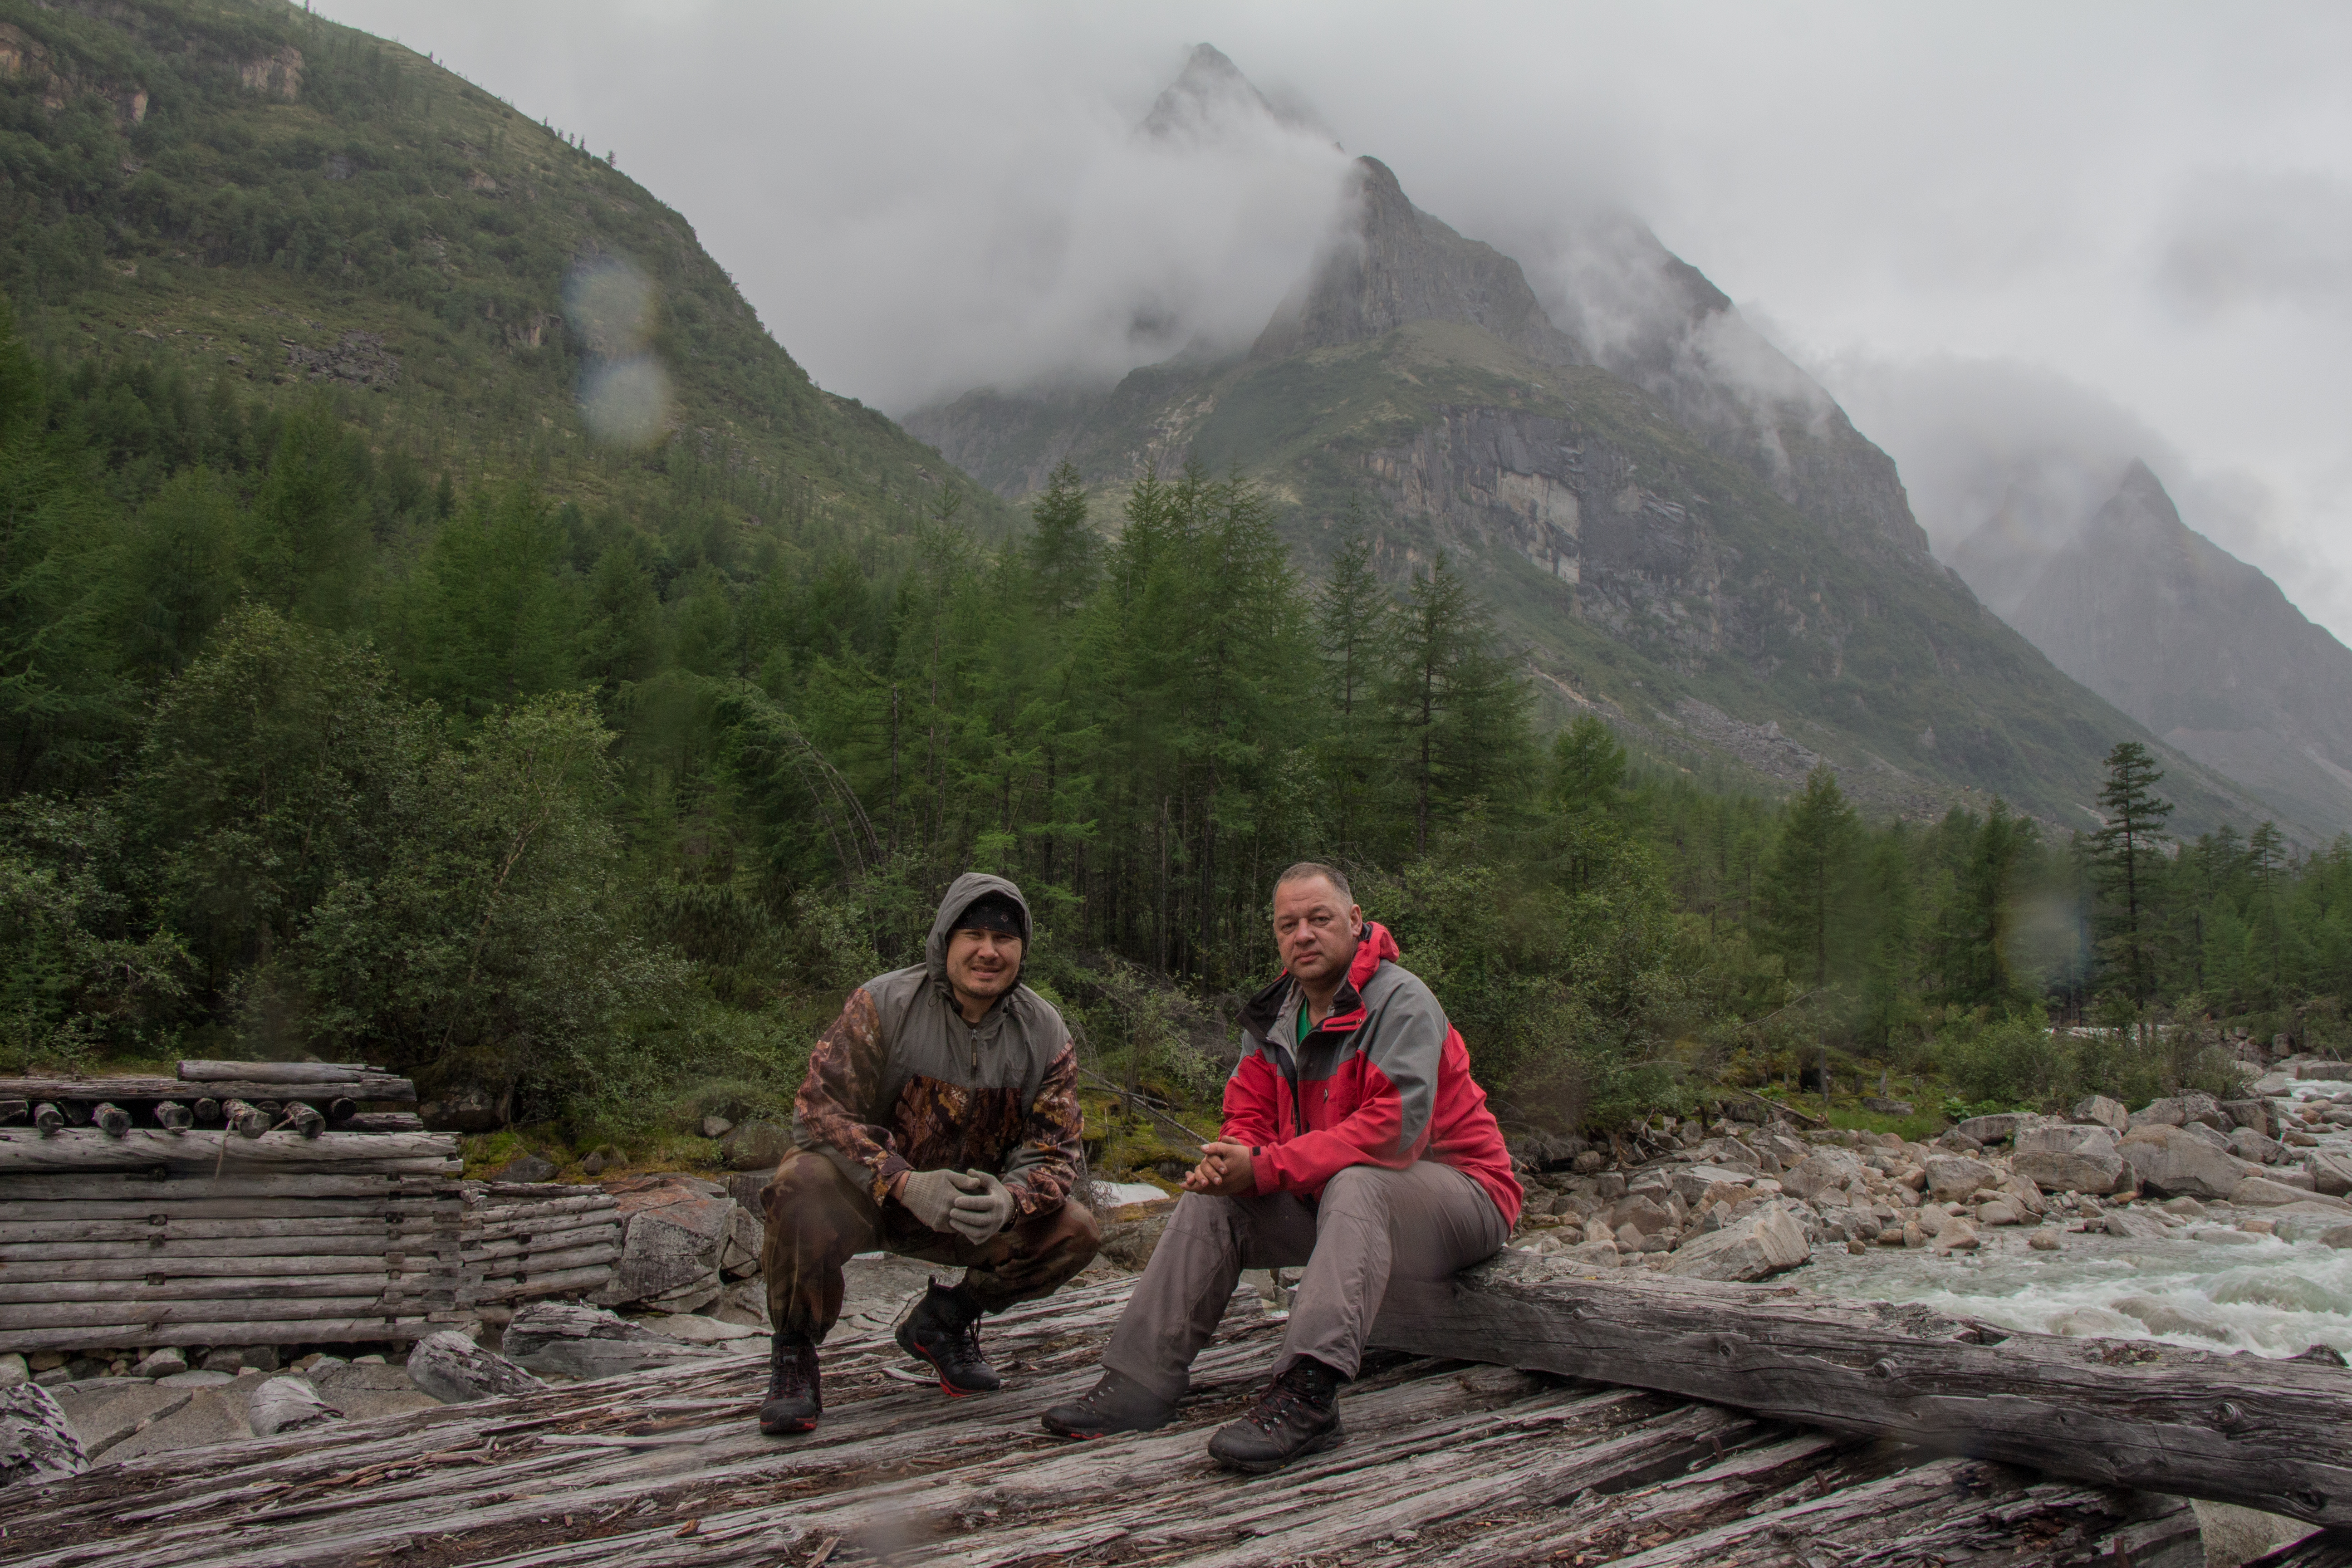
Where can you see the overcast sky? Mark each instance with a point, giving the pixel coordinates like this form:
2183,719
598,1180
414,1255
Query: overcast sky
1981,226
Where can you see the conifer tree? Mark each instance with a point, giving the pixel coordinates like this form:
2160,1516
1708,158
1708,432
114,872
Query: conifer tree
1455,703
2133,814
1808,884
1355,624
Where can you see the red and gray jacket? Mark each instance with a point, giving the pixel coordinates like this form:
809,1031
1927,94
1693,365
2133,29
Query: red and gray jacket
1384,1080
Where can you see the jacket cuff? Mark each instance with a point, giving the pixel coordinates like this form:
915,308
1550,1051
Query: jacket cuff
892,1167
1264,1178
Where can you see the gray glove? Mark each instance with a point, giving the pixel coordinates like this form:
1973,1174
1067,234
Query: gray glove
982,1207
931,1196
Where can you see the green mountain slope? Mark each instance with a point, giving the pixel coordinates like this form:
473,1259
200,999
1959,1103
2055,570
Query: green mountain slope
246,193
1647,568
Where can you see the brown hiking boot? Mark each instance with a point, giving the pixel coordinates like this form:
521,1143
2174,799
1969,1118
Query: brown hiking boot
1113,1405
1297,1414
793,1400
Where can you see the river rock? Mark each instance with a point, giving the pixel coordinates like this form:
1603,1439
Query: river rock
162,1362
2171,1160
1998,1128
286,1405
1765,1243
37,1440
1693,1182
676,1232
715,1126
2256,1146
13,1371
1822,1169
756,1146
1958,1234
2102,1111
454,1370
1953,1177
573,1340
2044,1240
1646,1216
2133,1225
2000,1211
2069,1158
2331,1172
2259,1114
2335,1071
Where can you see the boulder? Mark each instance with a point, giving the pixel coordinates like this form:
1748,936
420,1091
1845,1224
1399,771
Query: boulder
1601,1254
2098,1109
2341,1236
2133,1225
106,1411
2258,1114
454,1370
674,1232
528,1168
2336,1072
1953,1177
1958,1234
161,1363
1822,1169
2207,1135
286,1405
745,1302
1930,1221
717,1126
2069,1158
197,1379
465,1108
2331,1171
2170,1161
1646,1216
570,1339
756,1146
38,1441
2272,1084
1128,1234
1693,1182
2044,1241
2261,1192
2000,1211
1998,1128
739,1255
2253,1146
2178,1110
1765,1243
13,1371
1551,1151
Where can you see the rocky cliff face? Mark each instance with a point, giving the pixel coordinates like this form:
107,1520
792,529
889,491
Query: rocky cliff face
2201,647
1395,265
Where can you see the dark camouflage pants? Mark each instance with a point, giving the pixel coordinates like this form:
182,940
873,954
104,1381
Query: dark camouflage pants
818,1219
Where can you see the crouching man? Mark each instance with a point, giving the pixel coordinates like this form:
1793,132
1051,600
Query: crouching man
940,1121
1355,1142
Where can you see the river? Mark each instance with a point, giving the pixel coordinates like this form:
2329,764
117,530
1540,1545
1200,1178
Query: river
2208,1286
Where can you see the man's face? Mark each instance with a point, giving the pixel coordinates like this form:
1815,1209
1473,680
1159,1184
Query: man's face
1315,930
982,963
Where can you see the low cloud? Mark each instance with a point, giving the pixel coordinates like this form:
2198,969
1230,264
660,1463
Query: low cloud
2250,239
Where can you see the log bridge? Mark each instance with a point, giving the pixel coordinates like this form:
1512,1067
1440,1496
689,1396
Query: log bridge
249,1202
1519,1415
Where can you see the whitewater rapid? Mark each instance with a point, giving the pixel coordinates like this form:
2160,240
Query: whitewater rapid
2208,1286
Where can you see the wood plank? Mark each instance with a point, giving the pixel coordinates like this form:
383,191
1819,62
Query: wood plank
120,1293
17,1270
162,1211
26,1153
381,1121
2272,1434
175,1184
555,1282
259,1305
276,1072
552,1239
407,1325
370,1088
276,1231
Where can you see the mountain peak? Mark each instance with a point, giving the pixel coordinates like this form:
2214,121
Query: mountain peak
1396,264
1211,99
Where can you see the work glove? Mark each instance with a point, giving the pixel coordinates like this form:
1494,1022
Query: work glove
931,1195
984,1205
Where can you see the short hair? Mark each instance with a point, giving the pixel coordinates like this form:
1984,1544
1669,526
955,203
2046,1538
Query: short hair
1332,874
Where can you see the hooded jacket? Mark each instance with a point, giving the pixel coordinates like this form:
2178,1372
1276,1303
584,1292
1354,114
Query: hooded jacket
900,1082
1383,1081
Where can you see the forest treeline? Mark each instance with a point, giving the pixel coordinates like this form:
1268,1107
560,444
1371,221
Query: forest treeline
306,748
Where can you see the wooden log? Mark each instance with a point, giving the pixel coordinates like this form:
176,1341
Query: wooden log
246,1121
23,1152
261,1305
172,1185
16,1110
390,1263
273,1228
114,1333
304,1119
2271,1435
591,1201
159,1215
207,1110
553,1260
111,1119
257,1254
276,1072
90,1090
341,1109
173,1117
605,1234
381,1121
555,1283
48,1119
109,1297
2328,1549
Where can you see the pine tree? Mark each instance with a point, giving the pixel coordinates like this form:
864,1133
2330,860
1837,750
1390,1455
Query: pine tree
1809,883
1062,551
1355,624
2133,814
1456,705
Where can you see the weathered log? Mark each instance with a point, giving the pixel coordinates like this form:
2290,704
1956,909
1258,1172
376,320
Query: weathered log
160,1214
2271,1435
55,1272
113,1333
383,1122
246,1121
271,1230
276,1072
258,1306
172,1116
547,1238
111,1119
14,1111
368,1089
48,1119
355,1278
207,1110
590,1201
341,1109
454,1370
174,1183
2328,1549
23,1152
305,1119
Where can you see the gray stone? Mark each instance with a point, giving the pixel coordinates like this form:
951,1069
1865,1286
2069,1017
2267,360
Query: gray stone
1997,1128
739,1255
744,1302
757,1146
2170,1161
286,1405
676,1231
37,1440
528,1168
688,1328
2331,1171
2258,1114
196,1379
212,1415
1822,1169
2272,1084
2044,1240
453,1369
2261,1192
2133,1225
1958,1234
1951,1177
2179,1109
2252,1144
163,1362
13,1371
717,1126
2069,1158
569,1339
2206,1135
2102,1111
2341,1236
104,1419
1765,1243
1692,1183
2336,1071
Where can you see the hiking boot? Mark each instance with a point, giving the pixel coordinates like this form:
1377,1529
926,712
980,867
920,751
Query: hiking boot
1116,1404
793,1400
1297,1414
943,1328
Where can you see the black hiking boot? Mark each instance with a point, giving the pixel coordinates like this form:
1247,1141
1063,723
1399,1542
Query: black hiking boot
1116,1404
943,1327
1297,1416
793,1400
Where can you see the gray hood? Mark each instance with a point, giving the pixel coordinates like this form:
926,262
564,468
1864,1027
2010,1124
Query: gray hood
962,893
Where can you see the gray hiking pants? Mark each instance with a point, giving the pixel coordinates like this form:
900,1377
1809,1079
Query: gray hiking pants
1424,1222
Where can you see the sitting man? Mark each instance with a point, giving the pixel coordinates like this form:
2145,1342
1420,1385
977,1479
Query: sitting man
940,1121
1355,1142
